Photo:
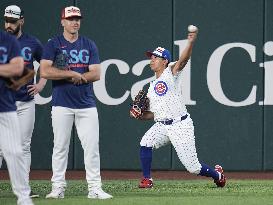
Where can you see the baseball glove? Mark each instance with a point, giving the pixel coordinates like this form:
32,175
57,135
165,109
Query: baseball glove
140,104
15,83
61,61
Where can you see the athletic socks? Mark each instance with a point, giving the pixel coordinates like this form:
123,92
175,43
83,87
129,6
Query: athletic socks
146,161
209,172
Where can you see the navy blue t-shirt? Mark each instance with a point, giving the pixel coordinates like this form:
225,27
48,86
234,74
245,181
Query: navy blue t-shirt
9,49
81,53
31,50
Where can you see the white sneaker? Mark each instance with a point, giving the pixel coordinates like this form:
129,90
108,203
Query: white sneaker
98,193
56,193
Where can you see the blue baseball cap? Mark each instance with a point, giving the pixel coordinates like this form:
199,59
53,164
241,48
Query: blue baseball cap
160,52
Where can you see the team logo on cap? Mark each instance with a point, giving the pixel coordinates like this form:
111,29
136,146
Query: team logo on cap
13,11
160,50
73,11
161,88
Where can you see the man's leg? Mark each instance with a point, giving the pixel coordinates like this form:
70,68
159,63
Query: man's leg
26,116
11,145
155,137
62,121
87,124
146,154
182,138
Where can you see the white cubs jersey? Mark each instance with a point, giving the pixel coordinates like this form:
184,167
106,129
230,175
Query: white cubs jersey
165,95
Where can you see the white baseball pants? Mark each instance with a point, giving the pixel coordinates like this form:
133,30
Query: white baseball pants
87,125
26,115
181,135
11,146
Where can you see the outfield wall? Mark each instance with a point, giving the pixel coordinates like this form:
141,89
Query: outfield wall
228,84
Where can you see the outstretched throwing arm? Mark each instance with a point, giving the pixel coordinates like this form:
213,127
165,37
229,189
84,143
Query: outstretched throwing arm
186,54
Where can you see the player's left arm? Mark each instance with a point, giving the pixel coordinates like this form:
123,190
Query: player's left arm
186,54
94,67
38,87
93,74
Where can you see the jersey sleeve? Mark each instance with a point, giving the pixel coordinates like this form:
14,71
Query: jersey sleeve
49,51
14,49
94,54
178,75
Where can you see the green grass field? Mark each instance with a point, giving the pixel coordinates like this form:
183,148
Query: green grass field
171,192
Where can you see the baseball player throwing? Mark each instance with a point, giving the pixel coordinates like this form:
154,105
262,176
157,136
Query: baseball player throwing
172,121
72,62
11,65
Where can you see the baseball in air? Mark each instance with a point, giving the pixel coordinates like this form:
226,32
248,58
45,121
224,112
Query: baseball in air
192,28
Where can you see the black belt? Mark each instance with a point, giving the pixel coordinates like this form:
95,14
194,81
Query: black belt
171,121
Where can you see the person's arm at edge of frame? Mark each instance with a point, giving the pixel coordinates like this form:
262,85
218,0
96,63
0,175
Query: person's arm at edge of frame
186,54
12,69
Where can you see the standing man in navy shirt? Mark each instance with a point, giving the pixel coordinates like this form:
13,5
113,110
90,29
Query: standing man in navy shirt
11,65
73,100
31,50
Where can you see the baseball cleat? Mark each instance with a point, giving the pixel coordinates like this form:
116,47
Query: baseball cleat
146,183
98,193
56,193
220,182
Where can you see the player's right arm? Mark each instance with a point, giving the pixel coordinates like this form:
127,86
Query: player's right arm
13,68
186,53
13,64
47,71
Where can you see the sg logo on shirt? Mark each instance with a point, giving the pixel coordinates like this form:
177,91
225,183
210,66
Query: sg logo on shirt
3,55
26,53
76,56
